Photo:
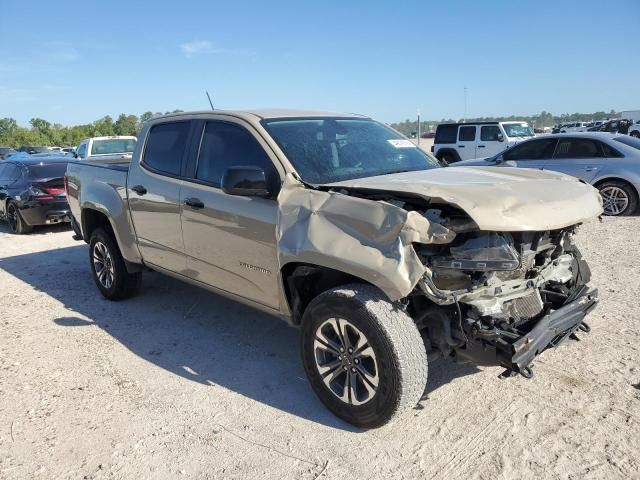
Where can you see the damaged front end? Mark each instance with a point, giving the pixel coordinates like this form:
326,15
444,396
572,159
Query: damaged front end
501,298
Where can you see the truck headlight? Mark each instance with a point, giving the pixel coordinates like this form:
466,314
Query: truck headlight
486,251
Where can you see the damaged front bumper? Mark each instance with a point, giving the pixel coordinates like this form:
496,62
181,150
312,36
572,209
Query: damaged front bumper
549,331
516,351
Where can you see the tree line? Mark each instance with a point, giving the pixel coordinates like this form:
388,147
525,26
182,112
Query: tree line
45,133
541,120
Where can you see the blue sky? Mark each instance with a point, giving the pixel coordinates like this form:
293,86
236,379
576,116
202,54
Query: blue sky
73,62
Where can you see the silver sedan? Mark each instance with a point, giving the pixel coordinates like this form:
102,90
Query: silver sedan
610,162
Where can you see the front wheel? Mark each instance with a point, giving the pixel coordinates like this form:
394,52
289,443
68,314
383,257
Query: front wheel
109,271
364,356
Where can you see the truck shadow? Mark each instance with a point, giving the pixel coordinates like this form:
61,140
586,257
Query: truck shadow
192,333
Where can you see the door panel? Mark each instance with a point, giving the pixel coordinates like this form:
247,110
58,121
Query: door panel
488,145
153,188
467,140
231,242
579,157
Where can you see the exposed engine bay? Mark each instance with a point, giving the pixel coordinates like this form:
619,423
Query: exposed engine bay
486,290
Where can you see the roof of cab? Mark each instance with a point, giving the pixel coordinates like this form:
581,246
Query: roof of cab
269,113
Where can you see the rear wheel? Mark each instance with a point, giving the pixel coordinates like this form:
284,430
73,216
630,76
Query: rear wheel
364,357
446,159
619,198
108,268
15,220
635,133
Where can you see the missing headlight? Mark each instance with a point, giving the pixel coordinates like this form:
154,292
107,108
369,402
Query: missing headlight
484,251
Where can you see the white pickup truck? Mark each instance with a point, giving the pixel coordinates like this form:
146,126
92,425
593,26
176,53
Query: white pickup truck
113,149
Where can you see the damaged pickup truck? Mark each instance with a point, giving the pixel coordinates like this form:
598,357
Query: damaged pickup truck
341,226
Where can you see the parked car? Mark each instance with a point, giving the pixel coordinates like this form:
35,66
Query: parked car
342,226
613,126
69,150
573,127
610,162
32,192
112,149
463,141
5,152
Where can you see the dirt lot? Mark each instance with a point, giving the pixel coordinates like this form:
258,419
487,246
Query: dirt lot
179,383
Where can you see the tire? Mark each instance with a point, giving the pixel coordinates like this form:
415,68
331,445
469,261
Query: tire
108,268
635,133
15,220
620,198
395,365
447,159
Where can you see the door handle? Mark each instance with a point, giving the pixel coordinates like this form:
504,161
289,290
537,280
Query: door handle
194,203
481,146
590,169
460,146
139,189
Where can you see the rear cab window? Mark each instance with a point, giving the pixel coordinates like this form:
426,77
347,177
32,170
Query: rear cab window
113,146
166,146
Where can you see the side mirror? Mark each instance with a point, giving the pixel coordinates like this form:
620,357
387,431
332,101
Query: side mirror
245,181
75,155
500,137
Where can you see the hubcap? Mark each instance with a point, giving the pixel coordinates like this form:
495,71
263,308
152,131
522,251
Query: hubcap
346,362
103,265
615,200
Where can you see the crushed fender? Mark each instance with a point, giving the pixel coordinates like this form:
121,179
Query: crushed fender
368,239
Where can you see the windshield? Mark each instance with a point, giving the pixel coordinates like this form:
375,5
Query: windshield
627,140
329,150
517,130
113,146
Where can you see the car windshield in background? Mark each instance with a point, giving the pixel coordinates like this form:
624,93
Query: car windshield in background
47,170
113,146
517,130
631,141
329,150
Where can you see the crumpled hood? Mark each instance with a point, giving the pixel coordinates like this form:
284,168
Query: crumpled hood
498,198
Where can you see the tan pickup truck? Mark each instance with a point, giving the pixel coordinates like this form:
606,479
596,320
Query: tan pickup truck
340,225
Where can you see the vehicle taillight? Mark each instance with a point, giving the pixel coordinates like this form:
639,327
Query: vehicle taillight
53,190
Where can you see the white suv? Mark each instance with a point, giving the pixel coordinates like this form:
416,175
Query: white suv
463,141
574,127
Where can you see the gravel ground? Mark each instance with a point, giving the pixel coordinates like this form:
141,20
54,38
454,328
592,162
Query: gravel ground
179,382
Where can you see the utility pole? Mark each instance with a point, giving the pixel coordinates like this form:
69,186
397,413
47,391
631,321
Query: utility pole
418,127
464,119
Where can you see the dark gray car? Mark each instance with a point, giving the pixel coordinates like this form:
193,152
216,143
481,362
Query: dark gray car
609,162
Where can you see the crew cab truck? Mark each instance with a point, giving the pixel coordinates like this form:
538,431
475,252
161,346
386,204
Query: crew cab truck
341,226
454,142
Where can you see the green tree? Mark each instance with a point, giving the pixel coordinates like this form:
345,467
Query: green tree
126,125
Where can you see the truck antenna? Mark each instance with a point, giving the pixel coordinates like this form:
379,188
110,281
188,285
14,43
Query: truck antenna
210,102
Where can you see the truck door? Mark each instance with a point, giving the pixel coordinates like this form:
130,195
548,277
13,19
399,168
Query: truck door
467,142
230,240
153,188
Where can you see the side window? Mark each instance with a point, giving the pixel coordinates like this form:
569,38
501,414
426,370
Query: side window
467,134
489,133
610,152
227,145
82,150
165,147
533,150
446,134
578,148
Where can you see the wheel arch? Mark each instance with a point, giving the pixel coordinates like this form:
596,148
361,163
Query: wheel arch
448,150
612,178
302,282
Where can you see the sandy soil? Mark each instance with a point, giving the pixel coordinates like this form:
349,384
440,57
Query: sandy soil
179,383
